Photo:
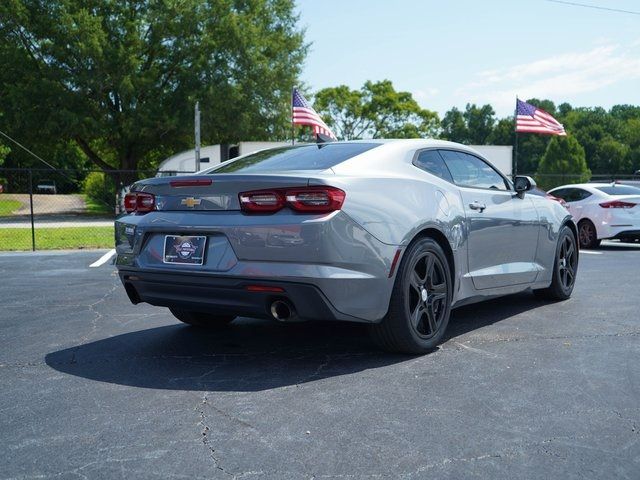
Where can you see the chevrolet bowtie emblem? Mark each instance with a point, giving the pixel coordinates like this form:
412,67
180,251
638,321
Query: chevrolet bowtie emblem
190,202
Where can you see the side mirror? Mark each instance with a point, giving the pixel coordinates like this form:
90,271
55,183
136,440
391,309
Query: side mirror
523,184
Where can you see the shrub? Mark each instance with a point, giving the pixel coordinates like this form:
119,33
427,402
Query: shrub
100,189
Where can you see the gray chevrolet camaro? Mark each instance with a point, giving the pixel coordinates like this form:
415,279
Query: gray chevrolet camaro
393,233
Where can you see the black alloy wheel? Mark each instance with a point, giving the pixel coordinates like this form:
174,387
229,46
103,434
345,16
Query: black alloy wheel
565,268
420,303
426,294
587,234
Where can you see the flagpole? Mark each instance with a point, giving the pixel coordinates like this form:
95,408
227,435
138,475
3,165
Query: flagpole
293,127
515,153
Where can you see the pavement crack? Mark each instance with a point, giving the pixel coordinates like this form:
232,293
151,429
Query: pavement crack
97,315
205,437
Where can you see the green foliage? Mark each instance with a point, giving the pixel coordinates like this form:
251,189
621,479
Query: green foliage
4,151
100,189
563,162
377,110
474,126
119,79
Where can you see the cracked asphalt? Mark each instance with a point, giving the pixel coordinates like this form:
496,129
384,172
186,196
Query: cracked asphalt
93,387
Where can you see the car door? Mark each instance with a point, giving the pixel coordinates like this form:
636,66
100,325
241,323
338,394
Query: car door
502,228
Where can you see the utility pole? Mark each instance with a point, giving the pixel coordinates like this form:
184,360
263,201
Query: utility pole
197,128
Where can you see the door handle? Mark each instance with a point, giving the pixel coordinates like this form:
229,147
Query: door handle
477,206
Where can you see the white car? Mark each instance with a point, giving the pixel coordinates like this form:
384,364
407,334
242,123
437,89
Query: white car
602,210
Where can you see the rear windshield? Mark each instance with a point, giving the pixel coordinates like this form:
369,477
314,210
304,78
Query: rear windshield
620,190
302,157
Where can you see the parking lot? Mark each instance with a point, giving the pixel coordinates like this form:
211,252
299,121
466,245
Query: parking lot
94,387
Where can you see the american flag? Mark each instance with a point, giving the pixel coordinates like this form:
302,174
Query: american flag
530,118
303,114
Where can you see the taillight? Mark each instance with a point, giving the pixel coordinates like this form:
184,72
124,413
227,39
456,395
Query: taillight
315,199
617,204
139,202
304,199
262,201
130,202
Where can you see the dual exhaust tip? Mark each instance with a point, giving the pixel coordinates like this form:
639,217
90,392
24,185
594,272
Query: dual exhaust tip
283,311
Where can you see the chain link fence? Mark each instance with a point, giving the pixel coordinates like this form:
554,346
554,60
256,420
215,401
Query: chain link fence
44,209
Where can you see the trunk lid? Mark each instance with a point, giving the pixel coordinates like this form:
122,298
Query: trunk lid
193,192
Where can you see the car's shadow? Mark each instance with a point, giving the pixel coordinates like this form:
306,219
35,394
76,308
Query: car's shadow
252,355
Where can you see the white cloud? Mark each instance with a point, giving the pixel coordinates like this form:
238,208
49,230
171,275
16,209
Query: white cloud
558,77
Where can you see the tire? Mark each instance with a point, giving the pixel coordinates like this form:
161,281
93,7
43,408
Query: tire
202,320
565,268
420,303
587,234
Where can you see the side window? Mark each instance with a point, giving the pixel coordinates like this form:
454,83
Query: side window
431,161
572,194
582,194
469,171
563,193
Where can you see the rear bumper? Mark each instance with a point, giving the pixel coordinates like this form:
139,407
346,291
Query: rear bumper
229,296
326,261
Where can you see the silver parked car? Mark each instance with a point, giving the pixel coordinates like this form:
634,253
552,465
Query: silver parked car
392,233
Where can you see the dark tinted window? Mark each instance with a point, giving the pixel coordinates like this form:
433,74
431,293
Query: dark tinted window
571,194
303,157
432,162
469,171
620,190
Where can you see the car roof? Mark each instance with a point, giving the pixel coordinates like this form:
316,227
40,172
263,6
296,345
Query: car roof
585,186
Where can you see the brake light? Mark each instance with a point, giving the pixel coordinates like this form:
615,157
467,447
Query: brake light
130,202
139,202
195,182
617,204
304,199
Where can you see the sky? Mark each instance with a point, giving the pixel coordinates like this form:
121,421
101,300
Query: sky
453,52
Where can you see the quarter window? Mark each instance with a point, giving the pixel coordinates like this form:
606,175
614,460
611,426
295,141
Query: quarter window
469,171
431,161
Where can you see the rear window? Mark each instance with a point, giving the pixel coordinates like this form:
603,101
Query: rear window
303,157
620,190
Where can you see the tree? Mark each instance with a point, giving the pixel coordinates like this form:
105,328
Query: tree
454,127
472,127
480,121
119,78
611,156
562,162
377,110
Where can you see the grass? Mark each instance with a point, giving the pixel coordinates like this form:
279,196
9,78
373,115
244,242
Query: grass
9,206
57,238
96,208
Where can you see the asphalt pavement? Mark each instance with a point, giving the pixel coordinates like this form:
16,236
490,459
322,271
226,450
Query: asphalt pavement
94,387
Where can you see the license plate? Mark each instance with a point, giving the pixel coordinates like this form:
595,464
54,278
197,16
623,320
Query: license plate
187,250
